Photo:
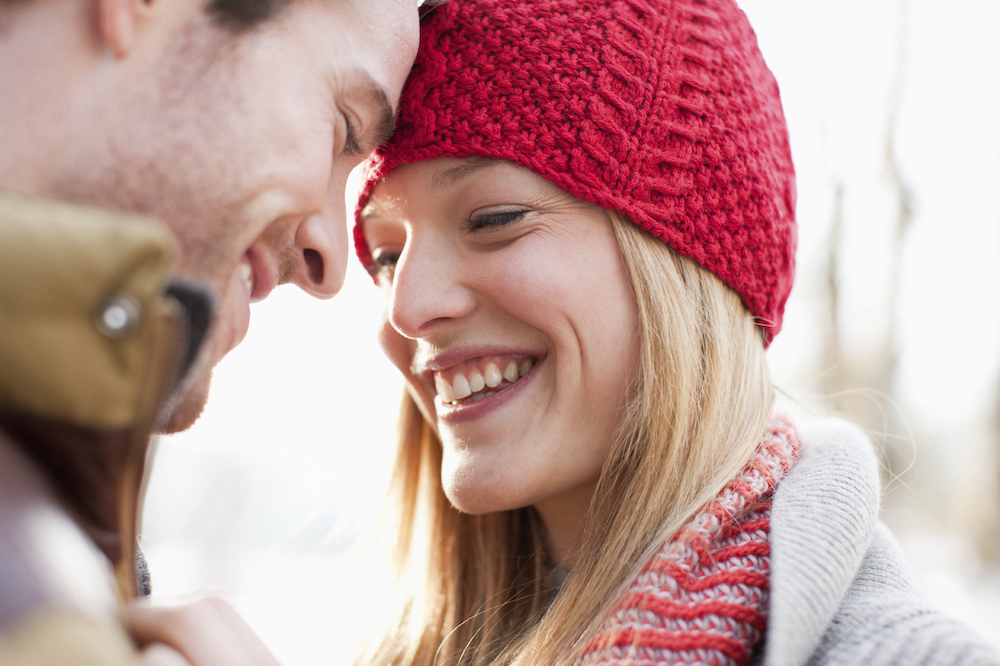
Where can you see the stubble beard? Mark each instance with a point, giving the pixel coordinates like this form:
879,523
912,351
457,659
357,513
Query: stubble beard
155,172
190,404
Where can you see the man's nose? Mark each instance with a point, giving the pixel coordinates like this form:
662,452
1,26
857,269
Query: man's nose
320,247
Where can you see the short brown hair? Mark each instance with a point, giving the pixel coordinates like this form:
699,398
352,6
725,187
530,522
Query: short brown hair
241,15
234,15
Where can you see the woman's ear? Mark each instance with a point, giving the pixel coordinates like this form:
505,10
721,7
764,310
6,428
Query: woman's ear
122,22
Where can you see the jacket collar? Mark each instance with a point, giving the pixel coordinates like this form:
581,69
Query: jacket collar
823,520
92,341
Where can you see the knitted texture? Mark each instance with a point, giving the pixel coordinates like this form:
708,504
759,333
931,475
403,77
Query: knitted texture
841,591
703,599
661,110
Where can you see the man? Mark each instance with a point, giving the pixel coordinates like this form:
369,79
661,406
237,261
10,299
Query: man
233,122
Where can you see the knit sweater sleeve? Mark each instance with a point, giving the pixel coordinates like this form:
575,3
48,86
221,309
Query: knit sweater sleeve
883,620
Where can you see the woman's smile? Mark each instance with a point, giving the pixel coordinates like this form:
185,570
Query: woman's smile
481,379
480,386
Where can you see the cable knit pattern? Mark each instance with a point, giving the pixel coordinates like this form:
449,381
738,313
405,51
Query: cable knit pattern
703,599
663,111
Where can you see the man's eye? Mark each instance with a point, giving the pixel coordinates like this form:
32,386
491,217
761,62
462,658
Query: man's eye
493,220
352,145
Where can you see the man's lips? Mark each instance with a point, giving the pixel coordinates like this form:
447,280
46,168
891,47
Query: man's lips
258,275
246,274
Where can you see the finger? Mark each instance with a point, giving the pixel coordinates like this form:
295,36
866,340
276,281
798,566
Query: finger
208,632
226,613
158,654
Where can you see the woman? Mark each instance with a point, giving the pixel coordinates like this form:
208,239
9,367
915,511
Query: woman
584,232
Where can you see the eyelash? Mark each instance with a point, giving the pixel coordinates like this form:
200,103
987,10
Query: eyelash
382,261
493,220
352,146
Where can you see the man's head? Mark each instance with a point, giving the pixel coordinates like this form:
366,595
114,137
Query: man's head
236,122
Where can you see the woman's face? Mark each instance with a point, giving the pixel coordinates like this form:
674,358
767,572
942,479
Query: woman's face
509,312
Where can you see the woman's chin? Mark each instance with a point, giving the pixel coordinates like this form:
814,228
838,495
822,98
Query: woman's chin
477,498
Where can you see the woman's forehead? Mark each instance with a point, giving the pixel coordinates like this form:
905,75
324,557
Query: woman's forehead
443,172
429,183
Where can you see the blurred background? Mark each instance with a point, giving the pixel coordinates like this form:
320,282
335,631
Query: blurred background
893,108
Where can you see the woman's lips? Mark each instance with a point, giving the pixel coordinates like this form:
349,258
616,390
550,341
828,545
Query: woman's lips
481,385
476,378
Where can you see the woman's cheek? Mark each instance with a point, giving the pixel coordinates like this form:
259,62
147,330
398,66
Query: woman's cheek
396,348
400,350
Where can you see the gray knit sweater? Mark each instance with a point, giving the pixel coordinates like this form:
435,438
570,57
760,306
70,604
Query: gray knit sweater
841,592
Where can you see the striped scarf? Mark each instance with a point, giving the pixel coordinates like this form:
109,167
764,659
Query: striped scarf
703,598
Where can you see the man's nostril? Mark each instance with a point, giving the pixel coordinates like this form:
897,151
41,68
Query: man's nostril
314,264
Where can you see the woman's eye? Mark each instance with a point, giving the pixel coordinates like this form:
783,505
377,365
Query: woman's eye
383,263
493,220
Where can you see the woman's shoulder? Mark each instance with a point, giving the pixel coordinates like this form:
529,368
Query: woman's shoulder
833,491
880,620
841,592
883,619
823,518
833,448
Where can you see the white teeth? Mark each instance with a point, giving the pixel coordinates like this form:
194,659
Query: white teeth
444,389
493,376
461,387
510,372
476,382
246,272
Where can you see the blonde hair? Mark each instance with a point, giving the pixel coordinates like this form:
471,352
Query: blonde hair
701,402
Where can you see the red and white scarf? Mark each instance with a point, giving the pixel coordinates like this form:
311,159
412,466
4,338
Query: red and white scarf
703,598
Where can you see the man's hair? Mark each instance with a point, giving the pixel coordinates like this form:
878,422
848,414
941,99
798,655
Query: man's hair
234,15
241,15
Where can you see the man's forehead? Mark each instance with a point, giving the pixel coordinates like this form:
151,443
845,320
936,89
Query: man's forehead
361,83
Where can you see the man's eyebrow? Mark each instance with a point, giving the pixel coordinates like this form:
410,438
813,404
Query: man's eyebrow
454,174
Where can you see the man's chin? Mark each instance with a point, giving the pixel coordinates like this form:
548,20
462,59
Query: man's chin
188,408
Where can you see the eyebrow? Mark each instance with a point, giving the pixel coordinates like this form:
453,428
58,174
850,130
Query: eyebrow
439,182
455,174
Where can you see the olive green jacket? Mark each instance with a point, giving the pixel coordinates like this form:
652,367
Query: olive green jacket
92,341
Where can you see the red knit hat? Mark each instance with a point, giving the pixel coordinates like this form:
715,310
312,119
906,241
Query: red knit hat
660,109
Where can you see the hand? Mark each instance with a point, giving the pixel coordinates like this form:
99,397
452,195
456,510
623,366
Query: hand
208,632
159,654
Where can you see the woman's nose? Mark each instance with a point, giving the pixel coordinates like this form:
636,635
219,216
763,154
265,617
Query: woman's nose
320,246
428,289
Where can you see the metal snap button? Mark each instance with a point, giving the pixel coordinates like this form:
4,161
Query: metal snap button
119,316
